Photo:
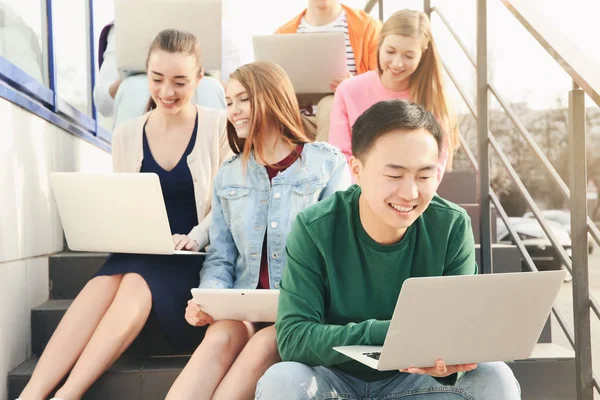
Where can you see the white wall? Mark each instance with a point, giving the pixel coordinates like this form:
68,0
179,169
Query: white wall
30,230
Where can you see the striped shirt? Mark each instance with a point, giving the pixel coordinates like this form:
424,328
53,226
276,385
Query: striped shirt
339,25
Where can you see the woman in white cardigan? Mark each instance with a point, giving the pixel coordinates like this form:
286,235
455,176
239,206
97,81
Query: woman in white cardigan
184,145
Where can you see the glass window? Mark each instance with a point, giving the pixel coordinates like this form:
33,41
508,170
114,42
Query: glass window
21,35
103,15
71,52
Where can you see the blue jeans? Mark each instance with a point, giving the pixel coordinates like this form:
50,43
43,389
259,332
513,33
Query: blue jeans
295,381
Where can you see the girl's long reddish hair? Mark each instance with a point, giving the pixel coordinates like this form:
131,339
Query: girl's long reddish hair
273,105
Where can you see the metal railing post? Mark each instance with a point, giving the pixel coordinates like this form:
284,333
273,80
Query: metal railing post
50,53
91,62
427,8
381,10
482,139
578,204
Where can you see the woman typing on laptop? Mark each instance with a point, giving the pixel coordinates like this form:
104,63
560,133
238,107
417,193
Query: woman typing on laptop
256,195
184,145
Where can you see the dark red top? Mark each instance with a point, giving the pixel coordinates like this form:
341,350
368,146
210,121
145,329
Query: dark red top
263,281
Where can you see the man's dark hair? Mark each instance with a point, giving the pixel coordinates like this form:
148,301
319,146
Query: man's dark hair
387,116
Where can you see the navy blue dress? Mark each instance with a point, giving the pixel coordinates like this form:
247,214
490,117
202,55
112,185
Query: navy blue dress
169,278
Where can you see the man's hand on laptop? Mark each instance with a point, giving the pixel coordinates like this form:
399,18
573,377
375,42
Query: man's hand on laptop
184,242
195,316
440,370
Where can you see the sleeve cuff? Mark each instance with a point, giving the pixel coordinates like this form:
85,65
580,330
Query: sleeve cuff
200,232
377,332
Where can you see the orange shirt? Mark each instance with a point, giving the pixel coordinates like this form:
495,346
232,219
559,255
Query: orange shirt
364,36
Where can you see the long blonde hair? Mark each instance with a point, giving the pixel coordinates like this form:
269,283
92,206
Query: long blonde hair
273,104
426,83
174,41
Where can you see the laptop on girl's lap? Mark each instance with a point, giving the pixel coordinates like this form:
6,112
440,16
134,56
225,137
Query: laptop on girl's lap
114,213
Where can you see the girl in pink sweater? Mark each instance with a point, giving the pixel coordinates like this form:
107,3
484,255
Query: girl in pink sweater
408,67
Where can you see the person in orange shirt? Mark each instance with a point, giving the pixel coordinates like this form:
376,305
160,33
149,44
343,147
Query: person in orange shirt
362,37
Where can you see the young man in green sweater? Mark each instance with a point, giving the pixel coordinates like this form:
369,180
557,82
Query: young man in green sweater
347,258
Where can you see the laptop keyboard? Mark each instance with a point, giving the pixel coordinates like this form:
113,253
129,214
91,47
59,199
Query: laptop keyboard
374,355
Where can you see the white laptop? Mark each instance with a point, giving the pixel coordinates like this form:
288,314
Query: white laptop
464,319
258,305
137,22
115,213
311,60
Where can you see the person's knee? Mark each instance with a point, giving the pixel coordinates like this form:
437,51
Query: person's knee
289,380
496,380
105,283
265,342
226,337
136,284
137,294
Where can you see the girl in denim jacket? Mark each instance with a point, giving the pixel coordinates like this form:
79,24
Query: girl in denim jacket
276,173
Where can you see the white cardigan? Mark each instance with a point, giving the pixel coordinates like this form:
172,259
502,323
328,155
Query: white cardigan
209,152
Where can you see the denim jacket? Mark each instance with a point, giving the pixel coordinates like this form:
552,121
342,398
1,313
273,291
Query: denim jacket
245,204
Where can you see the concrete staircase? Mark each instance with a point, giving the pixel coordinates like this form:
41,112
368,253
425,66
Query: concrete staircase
149,366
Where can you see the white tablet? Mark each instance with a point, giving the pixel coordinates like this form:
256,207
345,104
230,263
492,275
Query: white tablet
254,305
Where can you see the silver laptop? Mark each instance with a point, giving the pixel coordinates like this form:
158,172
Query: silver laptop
137,22
464,319
311,60
115,213
258,305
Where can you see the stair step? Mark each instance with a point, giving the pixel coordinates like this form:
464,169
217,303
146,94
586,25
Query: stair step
130,378
459,187
150,342
70,271
505,257
548,375
473,211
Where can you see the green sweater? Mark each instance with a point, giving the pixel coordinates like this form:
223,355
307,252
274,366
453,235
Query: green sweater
340,287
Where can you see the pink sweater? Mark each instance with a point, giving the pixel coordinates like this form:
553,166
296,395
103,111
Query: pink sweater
352,98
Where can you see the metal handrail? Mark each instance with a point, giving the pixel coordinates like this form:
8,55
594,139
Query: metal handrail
501,212
570,335
586,75
517,240
590,227
457,38
564,189
529,139
595,306
564,257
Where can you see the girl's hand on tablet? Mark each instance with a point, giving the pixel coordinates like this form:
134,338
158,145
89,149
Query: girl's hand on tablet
184,242
195,316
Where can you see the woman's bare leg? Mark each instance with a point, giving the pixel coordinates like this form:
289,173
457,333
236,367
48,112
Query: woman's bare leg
210,362
120,325
71,336
259,354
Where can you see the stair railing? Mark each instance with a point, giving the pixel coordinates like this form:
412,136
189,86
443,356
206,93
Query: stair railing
586,80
